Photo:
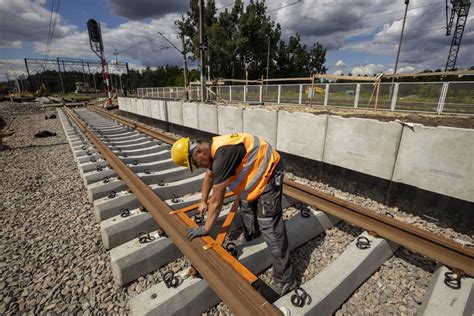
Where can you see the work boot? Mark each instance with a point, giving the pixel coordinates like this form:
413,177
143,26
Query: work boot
283,288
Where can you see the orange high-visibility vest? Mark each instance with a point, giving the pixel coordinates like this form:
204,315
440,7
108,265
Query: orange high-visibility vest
256,167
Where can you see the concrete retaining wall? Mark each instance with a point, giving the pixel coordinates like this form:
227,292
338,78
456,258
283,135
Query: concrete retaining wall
207,117
301,134
175,112
261,123
437,160
230,119
363,145
190,115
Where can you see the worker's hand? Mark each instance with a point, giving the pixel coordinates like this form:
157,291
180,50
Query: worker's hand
202,208
192,233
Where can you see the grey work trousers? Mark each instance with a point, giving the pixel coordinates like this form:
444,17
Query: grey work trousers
264,215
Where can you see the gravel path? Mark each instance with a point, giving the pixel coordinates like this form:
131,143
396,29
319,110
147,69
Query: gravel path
52,258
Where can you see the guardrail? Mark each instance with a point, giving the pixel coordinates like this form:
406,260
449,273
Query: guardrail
455,97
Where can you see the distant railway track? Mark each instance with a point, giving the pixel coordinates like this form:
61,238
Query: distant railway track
136,191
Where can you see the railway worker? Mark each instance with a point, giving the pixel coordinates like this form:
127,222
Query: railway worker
253,170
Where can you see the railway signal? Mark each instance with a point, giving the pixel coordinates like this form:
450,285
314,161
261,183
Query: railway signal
97,46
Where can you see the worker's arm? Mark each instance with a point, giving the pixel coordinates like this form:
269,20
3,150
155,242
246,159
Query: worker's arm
214,209
206,188
215,205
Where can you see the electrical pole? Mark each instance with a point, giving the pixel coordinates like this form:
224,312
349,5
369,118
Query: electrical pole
29,77
116,64
268,58
201,49
185,68
399,48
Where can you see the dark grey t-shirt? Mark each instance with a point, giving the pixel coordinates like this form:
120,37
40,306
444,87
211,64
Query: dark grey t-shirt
226,160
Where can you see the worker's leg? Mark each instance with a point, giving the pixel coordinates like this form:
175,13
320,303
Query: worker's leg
270,219
248,212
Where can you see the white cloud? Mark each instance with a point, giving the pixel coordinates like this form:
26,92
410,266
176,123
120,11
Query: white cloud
337,72
340,63
370,69
24,20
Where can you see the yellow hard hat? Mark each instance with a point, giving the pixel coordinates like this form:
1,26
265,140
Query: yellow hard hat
180,153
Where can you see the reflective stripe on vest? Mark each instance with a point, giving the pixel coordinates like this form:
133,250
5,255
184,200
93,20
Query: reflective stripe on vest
248,164
259,173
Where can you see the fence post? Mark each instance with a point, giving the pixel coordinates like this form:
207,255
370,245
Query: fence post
279,93
230,93
177,92
326,95
245,93
394,97
300,96
260,98
442,97
356,99
164,93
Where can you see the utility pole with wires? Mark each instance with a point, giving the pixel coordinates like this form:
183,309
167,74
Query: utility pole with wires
201,50
399,48
116,52
185,63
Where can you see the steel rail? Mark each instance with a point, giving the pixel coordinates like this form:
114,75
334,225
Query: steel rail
231,287
444,250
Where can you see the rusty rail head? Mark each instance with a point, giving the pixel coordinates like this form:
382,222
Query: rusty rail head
446,251
234,290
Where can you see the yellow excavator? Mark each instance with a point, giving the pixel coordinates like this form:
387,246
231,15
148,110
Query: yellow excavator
42,91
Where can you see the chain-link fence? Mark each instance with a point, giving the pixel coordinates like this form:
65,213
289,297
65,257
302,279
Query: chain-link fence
432,97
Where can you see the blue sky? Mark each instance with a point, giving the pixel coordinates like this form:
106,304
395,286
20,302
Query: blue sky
361,36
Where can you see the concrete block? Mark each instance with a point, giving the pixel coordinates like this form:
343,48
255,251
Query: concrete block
261,123
155,109
175,112
118,230
230,119
147,107
301,134
140,106
163,110
335,284
443,300
207,114
197,295
133,106
190,114
121,102
363,145
128,104
109,207
437,159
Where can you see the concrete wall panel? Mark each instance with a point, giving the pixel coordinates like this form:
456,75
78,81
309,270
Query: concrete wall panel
163,110
133,105
363,145
437,159
190,114
155,109
207,114
301,134
147,107
127,106
230,119
262,123
121,103
175,112
140,110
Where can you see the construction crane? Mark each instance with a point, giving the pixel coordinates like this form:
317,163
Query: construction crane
459,12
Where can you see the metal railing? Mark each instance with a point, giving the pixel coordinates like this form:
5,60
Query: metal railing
455,97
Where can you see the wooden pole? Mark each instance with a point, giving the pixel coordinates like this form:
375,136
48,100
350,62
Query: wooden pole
312,92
